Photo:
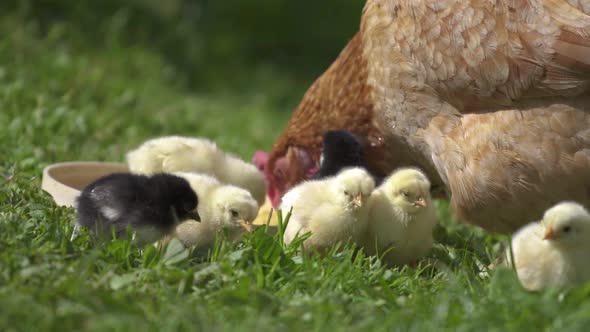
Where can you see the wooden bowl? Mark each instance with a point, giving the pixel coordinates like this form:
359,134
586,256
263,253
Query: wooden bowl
64,181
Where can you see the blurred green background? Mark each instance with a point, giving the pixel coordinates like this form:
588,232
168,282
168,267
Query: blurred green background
206,42
89,80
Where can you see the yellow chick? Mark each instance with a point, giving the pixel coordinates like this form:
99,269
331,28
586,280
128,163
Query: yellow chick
401,218
333,209
220,207
198,155
554,252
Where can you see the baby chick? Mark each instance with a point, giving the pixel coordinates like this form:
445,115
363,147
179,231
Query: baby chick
333,210
401,218
174,153
222,207
150,206
554,252
237,172
340,149
198,155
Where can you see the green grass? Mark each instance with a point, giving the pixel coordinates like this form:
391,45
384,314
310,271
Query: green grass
62,99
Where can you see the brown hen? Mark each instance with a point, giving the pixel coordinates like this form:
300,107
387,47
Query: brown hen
490,98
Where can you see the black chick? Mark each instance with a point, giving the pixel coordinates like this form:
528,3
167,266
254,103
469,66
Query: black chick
149,205
341,149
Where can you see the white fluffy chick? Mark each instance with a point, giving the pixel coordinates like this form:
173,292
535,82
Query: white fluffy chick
174,154
234,170
222,207
401,218
554,252
333,209
198,155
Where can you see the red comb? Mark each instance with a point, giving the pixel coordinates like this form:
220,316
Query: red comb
260,159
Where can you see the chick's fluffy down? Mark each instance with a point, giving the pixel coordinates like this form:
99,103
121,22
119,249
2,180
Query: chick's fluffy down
553,252
333,210
222,207
198,155
401,218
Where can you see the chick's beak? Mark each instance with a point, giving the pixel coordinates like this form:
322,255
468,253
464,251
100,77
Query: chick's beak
247,225
420,202
357,201
194,215
549,234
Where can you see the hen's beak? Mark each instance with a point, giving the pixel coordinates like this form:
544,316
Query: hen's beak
247,225
357,201
549,234
420,202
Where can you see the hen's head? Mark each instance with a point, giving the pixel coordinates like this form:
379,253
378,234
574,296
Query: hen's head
284,170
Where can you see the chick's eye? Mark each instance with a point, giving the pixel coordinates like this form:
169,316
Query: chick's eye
346,193
567,229
234,213
406,194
